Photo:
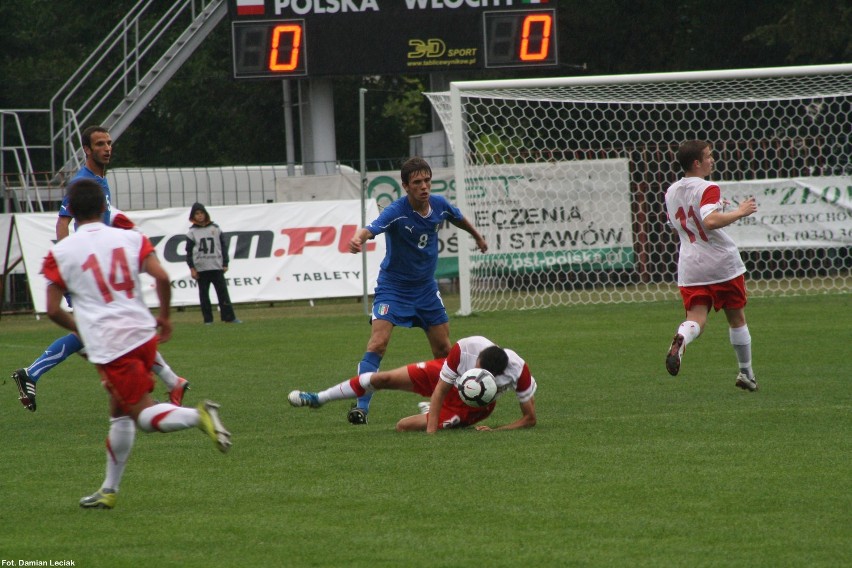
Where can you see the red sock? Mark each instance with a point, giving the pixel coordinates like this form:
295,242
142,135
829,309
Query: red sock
355,383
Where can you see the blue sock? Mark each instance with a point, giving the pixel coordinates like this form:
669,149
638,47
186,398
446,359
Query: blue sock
370,363
58,351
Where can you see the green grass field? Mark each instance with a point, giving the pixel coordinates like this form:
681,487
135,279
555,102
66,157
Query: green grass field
626,467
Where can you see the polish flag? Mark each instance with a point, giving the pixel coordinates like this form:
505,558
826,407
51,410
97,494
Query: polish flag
249,7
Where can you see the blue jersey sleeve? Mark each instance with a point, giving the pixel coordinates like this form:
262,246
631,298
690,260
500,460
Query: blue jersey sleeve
86,173
447,209
391,213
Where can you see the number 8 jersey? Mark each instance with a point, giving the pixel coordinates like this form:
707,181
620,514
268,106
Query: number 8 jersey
705,256
100,267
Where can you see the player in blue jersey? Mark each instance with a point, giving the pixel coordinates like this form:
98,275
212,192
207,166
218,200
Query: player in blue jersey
97,144
406,291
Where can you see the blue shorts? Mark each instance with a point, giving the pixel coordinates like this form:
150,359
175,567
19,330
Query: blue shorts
410,307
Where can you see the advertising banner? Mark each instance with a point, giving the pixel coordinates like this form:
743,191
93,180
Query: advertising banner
812,212
535,216
278,251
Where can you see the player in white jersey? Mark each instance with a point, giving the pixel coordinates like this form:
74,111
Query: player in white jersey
436,379
62,348
97,145
100,267
709,269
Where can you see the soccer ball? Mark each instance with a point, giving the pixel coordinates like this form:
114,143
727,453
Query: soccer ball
477,387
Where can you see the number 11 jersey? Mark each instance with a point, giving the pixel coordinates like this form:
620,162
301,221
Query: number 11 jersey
705,256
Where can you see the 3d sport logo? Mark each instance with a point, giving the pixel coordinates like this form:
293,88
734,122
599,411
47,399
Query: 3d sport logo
263,243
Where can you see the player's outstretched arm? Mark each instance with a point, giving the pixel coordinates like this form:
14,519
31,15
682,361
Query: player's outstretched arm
361,237
435,404
468,227
62,227
55,312
719,219
152,266
527,419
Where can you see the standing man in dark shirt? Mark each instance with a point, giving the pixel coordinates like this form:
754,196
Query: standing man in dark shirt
207,257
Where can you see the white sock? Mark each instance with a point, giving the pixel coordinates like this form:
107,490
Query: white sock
344,390
162,370
165,417
119,443
690,331
365,380
741,341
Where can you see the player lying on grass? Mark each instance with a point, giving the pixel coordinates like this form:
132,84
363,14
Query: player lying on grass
100,266
436,379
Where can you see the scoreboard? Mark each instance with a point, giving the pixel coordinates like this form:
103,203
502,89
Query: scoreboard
315,38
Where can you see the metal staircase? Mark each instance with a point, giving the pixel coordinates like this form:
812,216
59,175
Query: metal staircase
111,88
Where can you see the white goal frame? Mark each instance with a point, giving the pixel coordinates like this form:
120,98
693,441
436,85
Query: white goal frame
750,86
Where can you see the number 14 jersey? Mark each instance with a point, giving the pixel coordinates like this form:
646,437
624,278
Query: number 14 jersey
705,256
100,267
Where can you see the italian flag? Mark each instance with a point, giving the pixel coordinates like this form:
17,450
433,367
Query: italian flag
534,1
249,7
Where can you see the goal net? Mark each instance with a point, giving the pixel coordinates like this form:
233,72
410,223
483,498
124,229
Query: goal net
565,178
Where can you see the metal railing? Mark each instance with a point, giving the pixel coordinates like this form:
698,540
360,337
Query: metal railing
110,88
126,70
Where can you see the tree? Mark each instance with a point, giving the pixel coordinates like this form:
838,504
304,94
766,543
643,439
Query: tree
809,31
395,110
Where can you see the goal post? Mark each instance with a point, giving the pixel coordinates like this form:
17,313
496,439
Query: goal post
565,179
